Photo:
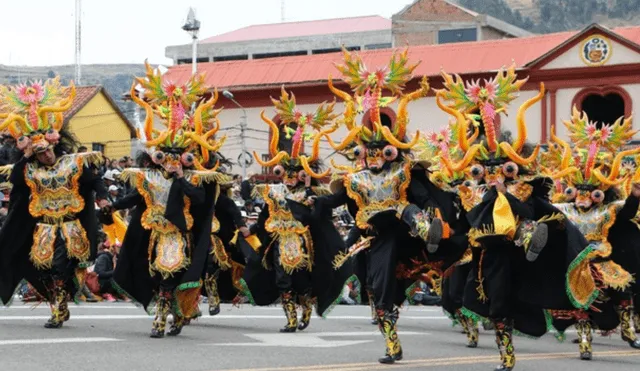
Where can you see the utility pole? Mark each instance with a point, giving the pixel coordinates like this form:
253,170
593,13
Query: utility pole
78,40
243,128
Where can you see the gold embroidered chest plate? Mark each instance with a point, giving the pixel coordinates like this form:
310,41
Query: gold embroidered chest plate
55,190
280,217
154,188
593,223
376,193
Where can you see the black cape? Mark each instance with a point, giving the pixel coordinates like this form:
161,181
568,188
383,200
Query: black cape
16,235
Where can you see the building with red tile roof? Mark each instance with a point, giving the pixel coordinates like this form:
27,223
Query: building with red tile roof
606,88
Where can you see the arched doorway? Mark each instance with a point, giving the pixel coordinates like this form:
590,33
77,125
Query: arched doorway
604,105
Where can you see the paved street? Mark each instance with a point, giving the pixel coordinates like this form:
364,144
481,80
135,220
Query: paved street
114,337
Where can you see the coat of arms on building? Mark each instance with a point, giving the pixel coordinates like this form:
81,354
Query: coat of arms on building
596,50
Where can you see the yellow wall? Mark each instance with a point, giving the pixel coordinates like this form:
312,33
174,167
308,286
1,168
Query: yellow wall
98,122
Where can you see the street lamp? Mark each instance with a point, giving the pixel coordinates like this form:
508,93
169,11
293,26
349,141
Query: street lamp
243,127
192,26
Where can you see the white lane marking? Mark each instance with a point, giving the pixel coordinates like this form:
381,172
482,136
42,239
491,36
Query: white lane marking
308,340
293,341
206,318
55,341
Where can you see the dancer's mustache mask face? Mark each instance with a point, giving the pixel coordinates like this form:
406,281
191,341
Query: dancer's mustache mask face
375,156
494,172
172,162
291,175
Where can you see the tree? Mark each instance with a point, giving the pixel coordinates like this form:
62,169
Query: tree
51,74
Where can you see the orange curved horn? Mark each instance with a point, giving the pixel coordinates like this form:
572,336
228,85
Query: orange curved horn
563,173
463,142
617,161
520,119
197,116
566,154
349,105
386,133
279,156
305,165
515,157
275,134
466,160
348,140
148,121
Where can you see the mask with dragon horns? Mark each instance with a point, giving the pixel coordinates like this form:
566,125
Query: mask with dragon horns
587,169
188,135
488,99
444,144
376,143
33,112
294,166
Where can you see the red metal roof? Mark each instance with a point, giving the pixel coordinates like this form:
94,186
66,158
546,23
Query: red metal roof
309,28
462,58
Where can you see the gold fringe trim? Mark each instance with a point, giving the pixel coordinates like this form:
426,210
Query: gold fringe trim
197,177
343,257
90,158
554,217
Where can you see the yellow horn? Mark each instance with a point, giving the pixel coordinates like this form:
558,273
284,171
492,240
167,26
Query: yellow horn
348,140
515,157
305,165
463,142
275,134
271,162
148,121
466,160
520,119
395,142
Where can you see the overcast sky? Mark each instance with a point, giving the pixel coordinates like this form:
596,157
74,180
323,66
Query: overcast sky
41,32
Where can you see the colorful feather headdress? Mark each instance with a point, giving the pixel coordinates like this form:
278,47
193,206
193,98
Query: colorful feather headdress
488,100
589,163
33,112
172,103
289,113
368,87
443,144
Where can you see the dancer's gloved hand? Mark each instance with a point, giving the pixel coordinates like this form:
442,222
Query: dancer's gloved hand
245,231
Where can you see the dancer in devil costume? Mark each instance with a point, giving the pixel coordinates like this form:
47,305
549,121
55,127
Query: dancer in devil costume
381,188
50,232
597,282
167,241
293,258
226,263
507,215
465,190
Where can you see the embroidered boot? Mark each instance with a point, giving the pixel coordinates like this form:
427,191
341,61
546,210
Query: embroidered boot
424,226
372,305
163,307
387,321
178,323
504,339
625,311
466,324
211,286
533,237
473,335
307,309
59,307
636,322
289,307
584,337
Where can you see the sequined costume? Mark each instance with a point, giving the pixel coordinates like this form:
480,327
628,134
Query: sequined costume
463,189
506,209
225,264
165,249
384,188
293,259
49,236
597,283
